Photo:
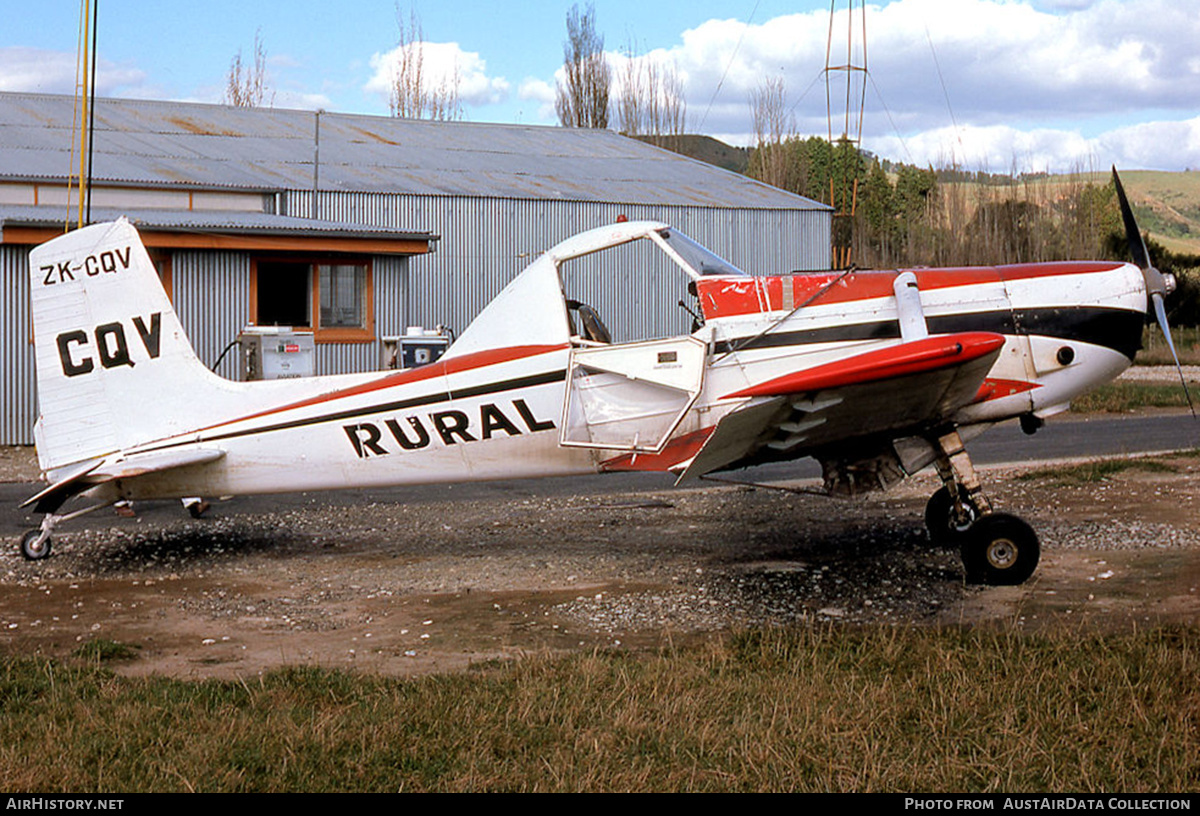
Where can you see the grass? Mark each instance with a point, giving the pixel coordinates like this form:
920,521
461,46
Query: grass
103,649
816,709
1123,396
1094,471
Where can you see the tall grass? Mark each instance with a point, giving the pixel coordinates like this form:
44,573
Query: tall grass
776,710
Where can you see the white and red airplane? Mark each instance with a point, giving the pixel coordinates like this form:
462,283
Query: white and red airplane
877,374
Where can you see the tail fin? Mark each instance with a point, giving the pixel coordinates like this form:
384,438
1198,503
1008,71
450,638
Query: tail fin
114,367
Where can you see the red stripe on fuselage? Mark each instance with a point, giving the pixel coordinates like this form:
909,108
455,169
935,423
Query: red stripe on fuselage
676,452
725,297
442,368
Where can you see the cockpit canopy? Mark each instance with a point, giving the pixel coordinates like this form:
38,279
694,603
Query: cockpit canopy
627,272
696,259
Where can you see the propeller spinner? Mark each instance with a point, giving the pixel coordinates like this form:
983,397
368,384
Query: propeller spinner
1158,285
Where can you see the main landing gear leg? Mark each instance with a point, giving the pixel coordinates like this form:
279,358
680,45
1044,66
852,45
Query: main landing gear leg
997,548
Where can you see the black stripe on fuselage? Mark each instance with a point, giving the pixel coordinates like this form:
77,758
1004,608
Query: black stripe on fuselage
397,405
1117,329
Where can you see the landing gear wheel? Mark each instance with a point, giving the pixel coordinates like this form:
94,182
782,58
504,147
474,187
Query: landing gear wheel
33,546
944,528
1000,550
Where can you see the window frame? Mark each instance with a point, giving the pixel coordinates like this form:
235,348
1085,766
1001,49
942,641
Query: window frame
162,262
338,334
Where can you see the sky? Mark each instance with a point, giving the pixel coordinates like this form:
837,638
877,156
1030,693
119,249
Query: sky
993,85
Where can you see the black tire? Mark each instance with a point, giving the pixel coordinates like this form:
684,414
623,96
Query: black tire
944,529
1000,550
32,549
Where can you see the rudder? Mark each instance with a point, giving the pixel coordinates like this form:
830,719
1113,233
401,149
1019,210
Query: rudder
112,357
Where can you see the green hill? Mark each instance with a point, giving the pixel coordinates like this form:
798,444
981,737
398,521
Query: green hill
1167,206
705,149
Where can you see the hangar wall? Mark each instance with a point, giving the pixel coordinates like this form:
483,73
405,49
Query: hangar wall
486,242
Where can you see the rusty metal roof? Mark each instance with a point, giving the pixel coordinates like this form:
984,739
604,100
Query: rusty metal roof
177,144
203,222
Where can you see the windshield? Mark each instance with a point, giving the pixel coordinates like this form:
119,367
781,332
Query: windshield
701,260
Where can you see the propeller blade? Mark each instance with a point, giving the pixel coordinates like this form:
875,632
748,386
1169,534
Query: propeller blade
1133,236
1158,285
1160,312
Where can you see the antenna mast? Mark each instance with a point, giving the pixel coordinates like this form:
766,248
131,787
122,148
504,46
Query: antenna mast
85,113
850,71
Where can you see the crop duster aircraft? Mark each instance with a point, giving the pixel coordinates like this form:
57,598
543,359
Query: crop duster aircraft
876,374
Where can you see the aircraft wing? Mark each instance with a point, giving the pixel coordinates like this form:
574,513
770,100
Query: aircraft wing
100,471
899,387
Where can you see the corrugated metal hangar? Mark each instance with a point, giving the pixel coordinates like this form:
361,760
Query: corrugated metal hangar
357,227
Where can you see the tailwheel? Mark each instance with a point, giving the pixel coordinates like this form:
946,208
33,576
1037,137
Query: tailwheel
946,523
1000,550
35,544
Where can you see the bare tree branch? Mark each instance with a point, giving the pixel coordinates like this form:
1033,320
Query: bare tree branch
651,101
246,86
582,100
413,95
771,124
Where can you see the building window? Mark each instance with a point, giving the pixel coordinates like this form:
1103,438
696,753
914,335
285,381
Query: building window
284,294
343,296
333,299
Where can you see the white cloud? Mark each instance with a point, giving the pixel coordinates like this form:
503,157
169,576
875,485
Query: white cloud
443,65
298,100
541,93
1159,145
36,70
1154,145
1012,76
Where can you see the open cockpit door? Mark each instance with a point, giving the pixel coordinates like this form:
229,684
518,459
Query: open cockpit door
631,396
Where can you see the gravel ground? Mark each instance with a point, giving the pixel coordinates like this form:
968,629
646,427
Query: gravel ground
404,586
1161,374
438,585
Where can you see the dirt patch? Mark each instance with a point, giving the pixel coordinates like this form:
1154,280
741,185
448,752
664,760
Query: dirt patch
18,464
411,587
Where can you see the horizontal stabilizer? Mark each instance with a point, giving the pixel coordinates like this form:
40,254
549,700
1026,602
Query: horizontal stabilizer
120,467
60,490
893,362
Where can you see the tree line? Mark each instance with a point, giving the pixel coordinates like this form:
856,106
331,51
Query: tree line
895,215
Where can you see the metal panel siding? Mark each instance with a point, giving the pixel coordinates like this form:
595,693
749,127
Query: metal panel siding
486,242
212,299
342,358
18,385
391,316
